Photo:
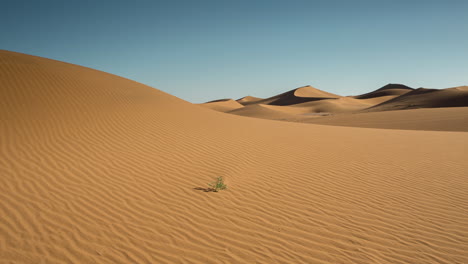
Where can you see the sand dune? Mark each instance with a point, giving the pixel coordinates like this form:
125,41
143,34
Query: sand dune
305,104
223,105
389,89
96,168
246,100
309,91
296,96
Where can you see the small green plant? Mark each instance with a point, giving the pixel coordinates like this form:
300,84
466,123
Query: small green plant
218,184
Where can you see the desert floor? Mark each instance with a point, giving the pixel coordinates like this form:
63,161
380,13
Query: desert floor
96,168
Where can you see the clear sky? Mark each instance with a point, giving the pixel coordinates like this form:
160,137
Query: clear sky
200,50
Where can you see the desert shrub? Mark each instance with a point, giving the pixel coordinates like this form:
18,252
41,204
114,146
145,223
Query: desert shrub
218,184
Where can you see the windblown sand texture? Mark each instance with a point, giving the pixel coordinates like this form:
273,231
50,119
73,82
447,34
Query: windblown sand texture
96,168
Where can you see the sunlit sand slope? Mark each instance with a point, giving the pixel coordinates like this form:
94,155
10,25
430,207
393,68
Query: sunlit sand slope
96,168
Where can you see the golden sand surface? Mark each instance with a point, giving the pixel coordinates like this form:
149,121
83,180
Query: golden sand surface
96,168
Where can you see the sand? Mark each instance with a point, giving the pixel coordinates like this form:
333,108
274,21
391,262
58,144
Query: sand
96,168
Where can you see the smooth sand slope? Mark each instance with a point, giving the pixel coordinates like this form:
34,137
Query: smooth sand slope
96,168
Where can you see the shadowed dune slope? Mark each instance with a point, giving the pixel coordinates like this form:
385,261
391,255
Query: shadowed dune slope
222,105
96,168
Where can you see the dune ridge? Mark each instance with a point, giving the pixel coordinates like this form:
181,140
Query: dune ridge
101,169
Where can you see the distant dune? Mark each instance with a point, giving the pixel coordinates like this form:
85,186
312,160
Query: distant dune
427,98
96,168
224,105
310,105
246,100
296,96
389,89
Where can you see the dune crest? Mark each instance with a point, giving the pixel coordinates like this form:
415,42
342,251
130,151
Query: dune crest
97,168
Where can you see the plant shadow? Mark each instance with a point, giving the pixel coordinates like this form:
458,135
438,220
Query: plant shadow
204,189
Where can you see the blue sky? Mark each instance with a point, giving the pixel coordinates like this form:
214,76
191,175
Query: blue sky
209,49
